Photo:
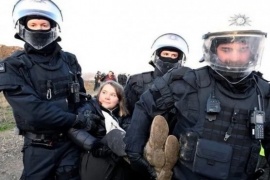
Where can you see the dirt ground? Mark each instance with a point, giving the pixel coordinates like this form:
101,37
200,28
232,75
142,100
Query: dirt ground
10,155
7,50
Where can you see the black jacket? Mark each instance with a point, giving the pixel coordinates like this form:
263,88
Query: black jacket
137,84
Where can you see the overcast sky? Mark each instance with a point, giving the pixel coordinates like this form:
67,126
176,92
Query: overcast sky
117,34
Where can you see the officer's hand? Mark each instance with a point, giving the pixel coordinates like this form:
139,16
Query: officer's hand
91,120
80,121
86,120
139,164
178,73
100,150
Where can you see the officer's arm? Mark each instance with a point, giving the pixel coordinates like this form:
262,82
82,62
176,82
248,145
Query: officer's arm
156,101
37,112
131,95
26,103
138,131
82,138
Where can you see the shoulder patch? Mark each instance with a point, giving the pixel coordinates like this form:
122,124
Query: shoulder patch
2,67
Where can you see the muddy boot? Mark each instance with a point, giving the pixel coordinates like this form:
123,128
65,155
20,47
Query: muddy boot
171,150
154,149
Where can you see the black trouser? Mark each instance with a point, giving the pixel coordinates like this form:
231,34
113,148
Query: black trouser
59,162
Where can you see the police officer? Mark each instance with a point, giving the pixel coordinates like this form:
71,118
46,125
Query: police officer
168,50
43,84
97,80
222,109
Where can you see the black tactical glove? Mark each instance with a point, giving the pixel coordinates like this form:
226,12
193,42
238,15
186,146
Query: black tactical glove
92,120
139,164
100,150
80,122
86,120
176,74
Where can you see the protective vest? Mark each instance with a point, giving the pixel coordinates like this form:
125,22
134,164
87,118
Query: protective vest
51,83
230,126
142,82
135,87
231,123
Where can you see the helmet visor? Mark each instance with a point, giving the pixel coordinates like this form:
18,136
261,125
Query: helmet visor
234,53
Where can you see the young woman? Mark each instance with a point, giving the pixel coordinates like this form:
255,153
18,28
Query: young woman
102,142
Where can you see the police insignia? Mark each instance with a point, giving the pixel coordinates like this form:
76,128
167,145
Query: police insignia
240,20
173,37
2,67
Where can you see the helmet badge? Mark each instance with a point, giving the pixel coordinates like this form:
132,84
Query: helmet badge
240,20
173,37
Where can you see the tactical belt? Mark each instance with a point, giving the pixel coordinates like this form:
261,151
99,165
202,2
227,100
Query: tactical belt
47,137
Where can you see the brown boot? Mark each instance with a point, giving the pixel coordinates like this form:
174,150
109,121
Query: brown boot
154,149
171,150
165,175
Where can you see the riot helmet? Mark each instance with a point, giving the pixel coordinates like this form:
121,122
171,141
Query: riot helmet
25,10
236,51
169,42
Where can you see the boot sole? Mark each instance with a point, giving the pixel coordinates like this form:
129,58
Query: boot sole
159,132
154,149
171,150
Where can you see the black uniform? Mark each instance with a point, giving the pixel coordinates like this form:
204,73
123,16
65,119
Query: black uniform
137,84
212,145
37,85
